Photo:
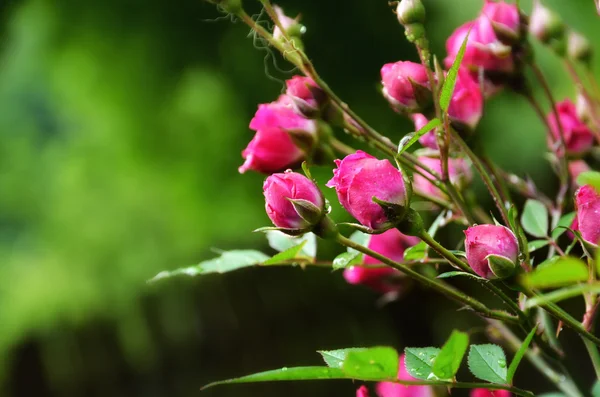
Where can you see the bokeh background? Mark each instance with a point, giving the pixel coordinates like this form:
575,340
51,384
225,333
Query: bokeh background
122,123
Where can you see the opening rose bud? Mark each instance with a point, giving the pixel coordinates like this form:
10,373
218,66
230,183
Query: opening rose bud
293,201
490,250
545,24
576,167
577,135
362,392
587,201
282,138
466,105
391,244
579,48
505,20
291,26
306,96
359,178
406,86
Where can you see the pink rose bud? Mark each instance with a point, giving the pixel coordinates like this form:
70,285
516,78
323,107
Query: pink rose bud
362,392
489,393
485,240
466,105
459,171
504,19
579,48
306,95
390,389
391,244
545,24
428,140
587,201
272,149
290,25
292,201
578,137
483,49
406,86
358,178
576,167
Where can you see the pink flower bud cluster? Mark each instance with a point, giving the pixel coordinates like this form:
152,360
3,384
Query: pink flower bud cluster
284,137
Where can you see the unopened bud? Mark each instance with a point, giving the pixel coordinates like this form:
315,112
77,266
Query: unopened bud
578,47
410,12
545,24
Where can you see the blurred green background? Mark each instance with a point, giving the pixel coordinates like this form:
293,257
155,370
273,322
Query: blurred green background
122,123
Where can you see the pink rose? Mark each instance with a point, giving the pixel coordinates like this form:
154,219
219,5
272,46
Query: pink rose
272,149
578,137
501,13
389,389
362,391
489,393
358,178
391,244
459,171
428,140
404,84
466,105
280,188
587,201
483,49
301,87
484,240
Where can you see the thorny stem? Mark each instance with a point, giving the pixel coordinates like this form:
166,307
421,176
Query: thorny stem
439,286
562,381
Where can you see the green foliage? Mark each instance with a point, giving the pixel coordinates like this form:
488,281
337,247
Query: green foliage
359,238
591,178
535,218
535,245
377,363
347,259
286,374
596,389
411,139
449,358
514,364
557,272
562,294
416,252
280,241
292,254
488,362
419,361
450,81
564,222
457,273
335,358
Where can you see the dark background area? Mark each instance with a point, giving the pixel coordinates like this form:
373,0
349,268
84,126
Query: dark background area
121,128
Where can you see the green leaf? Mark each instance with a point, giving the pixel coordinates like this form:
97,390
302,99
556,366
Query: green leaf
535,218
449,358
565,270
286,374
591,178
501,266
416,252
596,389
335,358
347,259
289,255
280,241
488,362
410,139
536,245
359,238
562,294
376,363
519,355
419,361
563,223
227,262
459,273
449,83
